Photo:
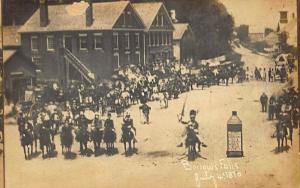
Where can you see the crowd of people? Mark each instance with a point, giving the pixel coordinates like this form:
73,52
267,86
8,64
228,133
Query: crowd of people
285,109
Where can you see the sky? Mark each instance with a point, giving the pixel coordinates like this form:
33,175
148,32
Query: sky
258,13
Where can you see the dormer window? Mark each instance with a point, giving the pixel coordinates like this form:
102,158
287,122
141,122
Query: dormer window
161,20
129,20
124,19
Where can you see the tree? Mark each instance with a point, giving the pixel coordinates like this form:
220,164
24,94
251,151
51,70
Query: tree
210,21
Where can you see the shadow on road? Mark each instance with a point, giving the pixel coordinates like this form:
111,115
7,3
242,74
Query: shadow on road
156,154
70,155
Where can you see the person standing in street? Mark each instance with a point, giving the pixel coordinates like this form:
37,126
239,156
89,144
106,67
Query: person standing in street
264,102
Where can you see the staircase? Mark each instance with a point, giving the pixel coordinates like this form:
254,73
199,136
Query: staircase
79,66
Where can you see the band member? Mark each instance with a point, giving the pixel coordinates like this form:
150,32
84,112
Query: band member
146,111
128,125
21,123
191,124
97,123
82,121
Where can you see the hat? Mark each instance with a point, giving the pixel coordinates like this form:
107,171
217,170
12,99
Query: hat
127,113
193,113
108,114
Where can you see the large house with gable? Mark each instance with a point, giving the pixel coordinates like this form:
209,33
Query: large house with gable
84,40
158,32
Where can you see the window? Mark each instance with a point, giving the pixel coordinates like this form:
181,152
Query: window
98,41
129,18
138,57
150,39
50,43
170,39
115,41
162,38
127,41
124,19
162,20
166,38
137,40
127,54
83,41
34,43
157,38
153,43
157,20
116,61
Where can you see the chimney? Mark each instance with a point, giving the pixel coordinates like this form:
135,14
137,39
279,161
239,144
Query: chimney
89,13
43,13
173,16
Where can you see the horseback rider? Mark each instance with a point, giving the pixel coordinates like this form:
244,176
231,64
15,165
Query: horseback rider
97,123
109,124
146,110
128,126
192,124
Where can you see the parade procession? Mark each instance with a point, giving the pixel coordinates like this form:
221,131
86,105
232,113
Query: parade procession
142,93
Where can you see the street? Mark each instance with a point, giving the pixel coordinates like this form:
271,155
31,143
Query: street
159,163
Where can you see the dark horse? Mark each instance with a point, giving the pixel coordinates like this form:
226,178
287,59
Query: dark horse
45,141
66,138
190,142
96,137
281,135
109,139
27,142
83,136
128,137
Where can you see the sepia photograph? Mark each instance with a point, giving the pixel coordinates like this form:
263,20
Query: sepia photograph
149,93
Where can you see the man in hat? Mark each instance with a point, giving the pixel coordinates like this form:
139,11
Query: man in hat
146,111
128,125
82,121
21,123
109,123
264,102
192,123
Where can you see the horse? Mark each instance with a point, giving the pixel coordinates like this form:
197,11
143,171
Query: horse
27,142
190,142
45,141
281,135
82,136
109,139
128,137
66,138
96,137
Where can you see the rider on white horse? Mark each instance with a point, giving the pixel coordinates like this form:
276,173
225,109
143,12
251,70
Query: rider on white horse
192,124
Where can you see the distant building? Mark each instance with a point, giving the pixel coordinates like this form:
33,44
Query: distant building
256,33
184,43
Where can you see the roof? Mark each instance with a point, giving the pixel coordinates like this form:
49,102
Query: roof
11,36
147,11
105,15
7,54
180,29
